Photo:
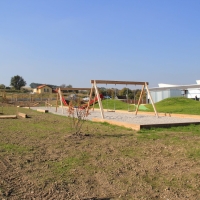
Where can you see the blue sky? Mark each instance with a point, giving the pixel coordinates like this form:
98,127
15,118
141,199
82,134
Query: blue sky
71,42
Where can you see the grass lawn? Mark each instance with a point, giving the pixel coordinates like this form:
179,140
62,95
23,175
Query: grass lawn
41,158
179,105
112,104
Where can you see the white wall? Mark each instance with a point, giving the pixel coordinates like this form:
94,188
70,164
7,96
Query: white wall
192,93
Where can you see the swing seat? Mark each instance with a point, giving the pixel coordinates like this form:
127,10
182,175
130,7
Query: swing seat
110,110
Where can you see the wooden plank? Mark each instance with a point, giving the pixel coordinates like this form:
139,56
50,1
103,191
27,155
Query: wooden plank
119,82
8,116
41,110
64,89
22,115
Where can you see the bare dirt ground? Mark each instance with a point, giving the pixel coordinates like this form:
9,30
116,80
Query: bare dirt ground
40,158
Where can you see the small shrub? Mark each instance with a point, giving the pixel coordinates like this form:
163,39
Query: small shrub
78,114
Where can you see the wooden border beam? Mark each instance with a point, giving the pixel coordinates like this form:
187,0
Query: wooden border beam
43,111
22,115
8,117
119,82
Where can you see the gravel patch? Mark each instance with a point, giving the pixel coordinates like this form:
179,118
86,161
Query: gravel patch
127,117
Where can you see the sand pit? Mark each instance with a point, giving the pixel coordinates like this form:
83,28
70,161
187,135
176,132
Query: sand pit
136,122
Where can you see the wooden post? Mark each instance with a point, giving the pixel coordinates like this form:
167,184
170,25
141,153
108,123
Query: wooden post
60,94
90,97
139,100
94,101
57,102
151,99
99,100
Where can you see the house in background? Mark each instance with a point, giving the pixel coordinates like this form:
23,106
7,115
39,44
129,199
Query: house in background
42,89
167,90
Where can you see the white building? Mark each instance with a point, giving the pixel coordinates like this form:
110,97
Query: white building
167,90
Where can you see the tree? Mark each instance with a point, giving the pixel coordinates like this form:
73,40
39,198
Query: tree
137,95
17,82
78,115
68,86
2,86
63,86
125,91
102,91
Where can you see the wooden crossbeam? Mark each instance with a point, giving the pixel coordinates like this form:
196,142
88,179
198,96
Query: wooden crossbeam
119,82
64,89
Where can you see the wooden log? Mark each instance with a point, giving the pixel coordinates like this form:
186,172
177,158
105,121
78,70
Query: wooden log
8,116
41,110
22,115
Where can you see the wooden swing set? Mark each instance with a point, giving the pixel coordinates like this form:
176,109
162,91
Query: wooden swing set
143,84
